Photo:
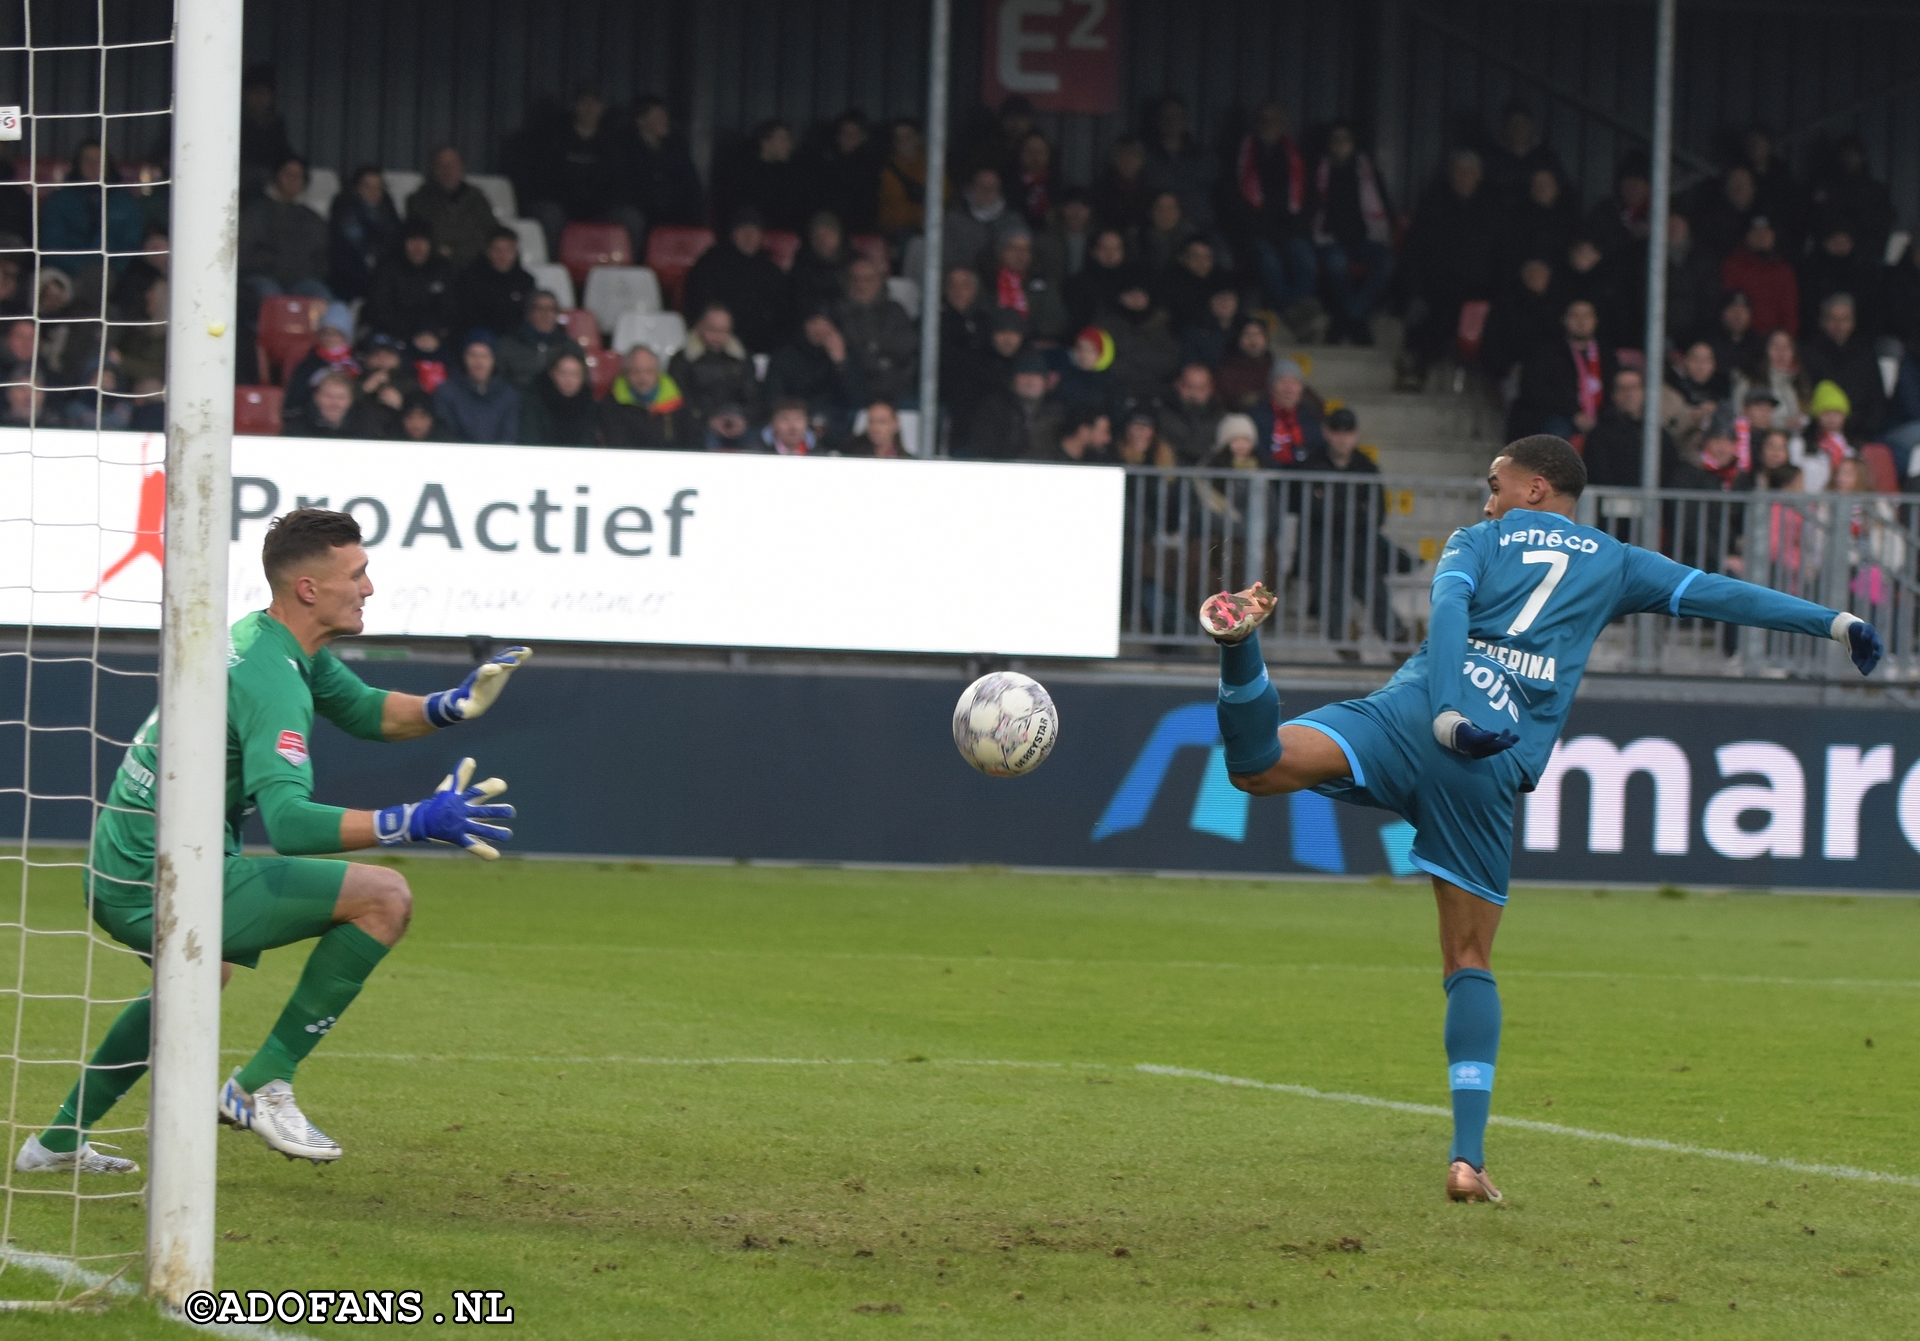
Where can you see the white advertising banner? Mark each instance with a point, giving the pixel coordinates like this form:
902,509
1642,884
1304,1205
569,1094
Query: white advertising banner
589,545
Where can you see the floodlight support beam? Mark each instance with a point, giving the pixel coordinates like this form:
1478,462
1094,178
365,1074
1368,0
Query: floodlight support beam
1656,333
939,54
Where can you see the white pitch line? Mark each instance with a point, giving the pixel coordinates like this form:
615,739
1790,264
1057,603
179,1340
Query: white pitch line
1724,979
122,1288
1844,1171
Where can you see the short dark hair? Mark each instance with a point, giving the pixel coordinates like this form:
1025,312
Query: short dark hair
1553,460
303,534
786,404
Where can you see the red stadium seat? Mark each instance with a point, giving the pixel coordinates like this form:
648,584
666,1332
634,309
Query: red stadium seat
584,327
1878,459
256,411
1473,325
603,366
783,247
671,252
288,327
585,245
874,248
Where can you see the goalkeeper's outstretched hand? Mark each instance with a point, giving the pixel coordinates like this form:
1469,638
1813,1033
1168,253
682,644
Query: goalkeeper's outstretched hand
1454,731
1862,641
450,815
477,692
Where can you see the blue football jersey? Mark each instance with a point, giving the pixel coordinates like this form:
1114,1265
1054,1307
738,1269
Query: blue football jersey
1540,590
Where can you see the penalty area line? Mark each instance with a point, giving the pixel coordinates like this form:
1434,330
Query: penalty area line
1842,1171
1845,1171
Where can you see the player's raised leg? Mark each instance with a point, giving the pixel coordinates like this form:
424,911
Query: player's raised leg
1467,926
1263,758
370,915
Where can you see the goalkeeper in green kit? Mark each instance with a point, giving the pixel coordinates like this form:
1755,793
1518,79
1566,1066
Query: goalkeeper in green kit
279,673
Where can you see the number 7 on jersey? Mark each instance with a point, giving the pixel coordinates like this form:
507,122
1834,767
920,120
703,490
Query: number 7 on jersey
1556,562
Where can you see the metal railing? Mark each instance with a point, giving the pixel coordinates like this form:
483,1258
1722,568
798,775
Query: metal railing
1352,558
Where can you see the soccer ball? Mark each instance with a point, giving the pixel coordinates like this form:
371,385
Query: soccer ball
1005,724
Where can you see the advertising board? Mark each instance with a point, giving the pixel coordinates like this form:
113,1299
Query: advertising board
592,545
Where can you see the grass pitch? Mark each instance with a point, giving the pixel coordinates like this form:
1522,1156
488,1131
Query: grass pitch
743,1102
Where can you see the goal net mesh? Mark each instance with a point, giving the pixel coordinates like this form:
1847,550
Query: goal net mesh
85,118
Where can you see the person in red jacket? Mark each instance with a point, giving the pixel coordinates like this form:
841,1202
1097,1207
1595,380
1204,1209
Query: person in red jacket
1760,272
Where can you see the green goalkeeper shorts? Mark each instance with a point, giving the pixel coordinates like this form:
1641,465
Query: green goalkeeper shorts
269,902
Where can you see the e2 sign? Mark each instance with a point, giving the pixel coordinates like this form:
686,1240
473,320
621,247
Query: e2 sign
1060,55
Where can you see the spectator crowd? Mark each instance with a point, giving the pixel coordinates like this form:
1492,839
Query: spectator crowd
1140,317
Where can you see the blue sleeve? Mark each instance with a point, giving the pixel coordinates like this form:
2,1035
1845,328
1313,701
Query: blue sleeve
1731,601
1446,645
1656,583
1455,579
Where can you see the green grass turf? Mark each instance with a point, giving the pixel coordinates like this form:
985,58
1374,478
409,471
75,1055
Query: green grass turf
508,1124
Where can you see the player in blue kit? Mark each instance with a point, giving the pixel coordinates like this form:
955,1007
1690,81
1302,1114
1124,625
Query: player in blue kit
1470,720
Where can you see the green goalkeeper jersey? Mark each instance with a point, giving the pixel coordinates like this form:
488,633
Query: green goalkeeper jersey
273,690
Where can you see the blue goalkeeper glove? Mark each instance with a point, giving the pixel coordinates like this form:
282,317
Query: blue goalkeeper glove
1454,731
477,692
1861,640
450,815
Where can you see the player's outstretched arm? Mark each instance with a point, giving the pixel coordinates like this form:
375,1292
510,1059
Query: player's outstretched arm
1732,601
409,716
458,813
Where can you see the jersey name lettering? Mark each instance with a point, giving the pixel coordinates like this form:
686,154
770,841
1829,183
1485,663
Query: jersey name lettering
1527,665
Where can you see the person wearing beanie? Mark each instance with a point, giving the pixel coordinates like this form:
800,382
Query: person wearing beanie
1288,420
1236,444
475,405
332,352
1339,450
1087,377
1827,442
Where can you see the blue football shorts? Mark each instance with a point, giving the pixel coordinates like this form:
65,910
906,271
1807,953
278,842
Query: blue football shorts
1461,809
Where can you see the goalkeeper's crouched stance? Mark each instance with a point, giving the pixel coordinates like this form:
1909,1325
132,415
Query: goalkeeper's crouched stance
280,672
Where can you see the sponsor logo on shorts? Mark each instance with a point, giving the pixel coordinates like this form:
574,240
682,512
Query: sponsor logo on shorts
292,748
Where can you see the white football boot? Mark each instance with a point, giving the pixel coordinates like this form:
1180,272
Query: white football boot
271,1113
36,1158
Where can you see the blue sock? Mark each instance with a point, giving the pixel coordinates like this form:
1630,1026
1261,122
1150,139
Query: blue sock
1249,709
1473,1046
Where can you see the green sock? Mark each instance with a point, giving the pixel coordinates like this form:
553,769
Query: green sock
335,972
119,1061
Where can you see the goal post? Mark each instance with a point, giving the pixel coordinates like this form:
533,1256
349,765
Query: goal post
191,797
